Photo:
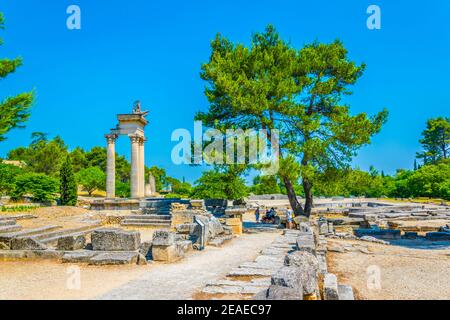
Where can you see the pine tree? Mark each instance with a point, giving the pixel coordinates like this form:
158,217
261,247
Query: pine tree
68,185
14,110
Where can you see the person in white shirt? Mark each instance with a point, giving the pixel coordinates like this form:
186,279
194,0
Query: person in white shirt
289,214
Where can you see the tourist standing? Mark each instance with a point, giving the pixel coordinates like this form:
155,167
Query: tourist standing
257,214
289,214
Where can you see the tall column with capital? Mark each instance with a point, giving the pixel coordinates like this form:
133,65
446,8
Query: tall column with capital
111,166
141,168
135,166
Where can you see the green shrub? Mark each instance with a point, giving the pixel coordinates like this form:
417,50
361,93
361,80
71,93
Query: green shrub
43,188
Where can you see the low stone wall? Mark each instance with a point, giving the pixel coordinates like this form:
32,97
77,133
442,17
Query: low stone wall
304,274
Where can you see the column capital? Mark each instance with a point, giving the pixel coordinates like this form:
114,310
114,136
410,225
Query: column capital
142,141
135,138
111,138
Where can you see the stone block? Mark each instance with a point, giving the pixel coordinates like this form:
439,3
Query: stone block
182,217
185,228
305,227
163,238
26,243
167,253
306,245
307,266
78,256
184,245
233,221
288,277
237,229
330,287
115,240
323,227
330,227
114,258
386,234
345,292
283,293
71,243
215,228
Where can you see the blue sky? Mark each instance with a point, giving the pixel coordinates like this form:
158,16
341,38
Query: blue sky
153,50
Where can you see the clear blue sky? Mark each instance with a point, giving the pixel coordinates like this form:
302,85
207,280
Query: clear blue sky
152,51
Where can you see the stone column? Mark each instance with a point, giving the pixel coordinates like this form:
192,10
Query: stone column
134,166
141,168
111,166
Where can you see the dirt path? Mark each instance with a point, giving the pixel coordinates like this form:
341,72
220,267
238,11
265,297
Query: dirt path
403,273
53,280
181,280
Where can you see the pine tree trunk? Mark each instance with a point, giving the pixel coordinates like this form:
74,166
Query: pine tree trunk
307,187
296,206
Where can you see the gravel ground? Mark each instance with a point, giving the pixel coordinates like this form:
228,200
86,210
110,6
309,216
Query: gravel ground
179,281
405,274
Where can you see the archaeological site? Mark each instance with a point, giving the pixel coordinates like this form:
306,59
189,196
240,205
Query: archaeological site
280,155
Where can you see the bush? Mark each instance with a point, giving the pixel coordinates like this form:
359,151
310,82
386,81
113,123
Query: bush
123,189
43,188
7,175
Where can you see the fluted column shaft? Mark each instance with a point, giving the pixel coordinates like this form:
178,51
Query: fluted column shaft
111,166
135,172
141,168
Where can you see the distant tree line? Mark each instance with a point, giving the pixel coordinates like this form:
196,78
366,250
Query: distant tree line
50,171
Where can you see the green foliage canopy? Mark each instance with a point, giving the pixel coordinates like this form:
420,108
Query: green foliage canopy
91,179
42,187
14,110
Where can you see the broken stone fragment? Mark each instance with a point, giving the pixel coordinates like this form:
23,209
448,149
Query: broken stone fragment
71,243
330,287
141,260
308,267
145,248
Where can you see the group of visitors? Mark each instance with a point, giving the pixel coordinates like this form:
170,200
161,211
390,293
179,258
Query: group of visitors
271,215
